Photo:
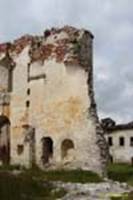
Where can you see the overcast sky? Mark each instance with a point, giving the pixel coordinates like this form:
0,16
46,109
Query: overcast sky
111,22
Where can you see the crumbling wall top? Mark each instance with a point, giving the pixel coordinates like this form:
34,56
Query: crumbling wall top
64,44
17,45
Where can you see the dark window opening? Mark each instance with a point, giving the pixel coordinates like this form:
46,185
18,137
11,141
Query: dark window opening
28,91
4,144
27,104
110,141
111,158
121,141
20,149
28,72
131,141
132,161
10,80
47,149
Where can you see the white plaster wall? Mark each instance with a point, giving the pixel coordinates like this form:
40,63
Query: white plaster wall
121,153
59,109
19,113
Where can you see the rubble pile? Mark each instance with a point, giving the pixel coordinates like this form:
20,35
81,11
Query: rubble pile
95,191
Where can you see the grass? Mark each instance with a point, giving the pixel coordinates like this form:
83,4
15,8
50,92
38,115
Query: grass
123,197
121,172
35,184
11,167
73,176
23,187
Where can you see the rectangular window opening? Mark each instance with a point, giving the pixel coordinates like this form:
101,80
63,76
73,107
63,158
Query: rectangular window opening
110,141
28,91
131,141
27,104
121,141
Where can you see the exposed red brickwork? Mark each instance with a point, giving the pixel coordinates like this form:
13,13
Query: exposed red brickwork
60,52
17,46
59,48
3,47
42,53
65,49
21,43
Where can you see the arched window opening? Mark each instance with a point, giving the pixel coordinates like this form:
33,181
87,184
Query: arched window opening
47,149
20,149
66,145
4,139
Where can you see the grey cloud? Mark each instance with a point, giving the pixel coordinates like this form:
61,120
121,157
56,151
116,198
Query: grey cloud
110,22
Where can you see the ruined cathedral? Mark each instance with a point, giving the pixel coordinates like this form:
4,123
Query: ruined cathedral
47,108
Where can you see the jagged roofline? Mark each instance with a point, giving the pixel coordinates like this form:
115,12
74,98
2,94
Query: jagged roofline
12,46
41,49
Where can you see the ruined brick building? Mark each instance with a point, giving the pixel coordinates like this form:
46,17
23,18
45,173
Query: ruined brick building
47,108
